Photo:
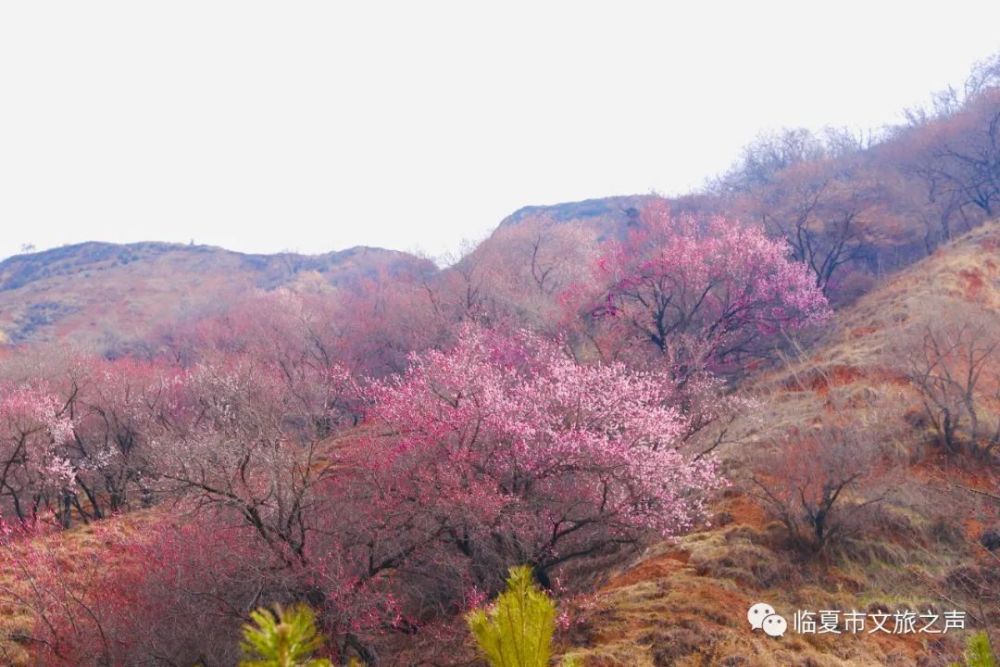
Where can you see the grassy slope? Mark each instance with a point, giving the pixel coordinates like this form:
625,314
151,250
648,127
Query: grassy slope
685,603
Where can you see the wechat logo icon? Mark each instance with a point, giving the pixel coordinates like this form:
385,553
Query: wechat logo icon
762,617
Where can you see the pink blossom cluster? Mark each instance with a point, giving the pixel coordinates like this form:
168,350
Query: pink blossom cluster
705,292
33,427
506,434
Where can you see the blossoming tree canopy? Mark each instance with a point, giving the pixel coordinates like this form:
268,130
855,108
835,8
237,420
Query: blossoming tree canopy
511,443
704,291
32,428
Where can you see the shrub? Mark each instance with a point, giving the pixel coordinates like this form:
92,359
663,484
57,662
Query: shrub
953,368
284,638
517,631
171,591
821,483
978,652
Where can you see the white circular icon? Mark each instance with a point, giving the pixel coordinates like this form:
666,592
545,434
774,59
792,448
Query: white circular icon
775,626
758,613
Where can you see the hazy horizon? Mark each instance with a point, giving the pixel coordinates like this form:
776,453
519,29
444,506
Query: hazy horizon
313,128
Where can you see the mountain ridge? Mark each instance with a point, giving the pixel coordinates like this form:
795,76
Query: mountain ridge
98,294
96,291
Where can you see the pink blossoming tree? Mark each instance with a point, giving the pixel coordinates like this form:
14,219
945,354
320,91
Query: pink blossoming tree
33,476
505,450
704,294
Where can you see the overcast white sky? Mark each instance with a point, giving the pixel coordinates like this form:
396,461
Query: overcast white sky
313,126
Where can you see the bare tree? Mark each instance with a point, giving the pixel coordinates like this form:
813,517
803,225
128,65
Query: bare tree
826,210
963,159
768,155
985,75
955,369
820,482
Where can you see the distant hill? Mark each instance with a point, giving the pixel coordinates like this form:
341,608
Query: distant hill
608,216
105,294
100,294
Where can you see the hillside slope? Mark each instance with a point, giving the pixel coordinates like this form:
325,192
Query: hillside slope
101,294
685,603
921,548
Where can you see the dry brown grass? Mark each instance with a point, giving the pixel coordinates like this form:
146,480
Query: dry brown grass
685,603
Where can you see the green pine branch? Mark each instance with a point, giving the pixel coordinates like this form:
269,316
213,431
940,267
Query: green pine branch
283,638
517,630
978,652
